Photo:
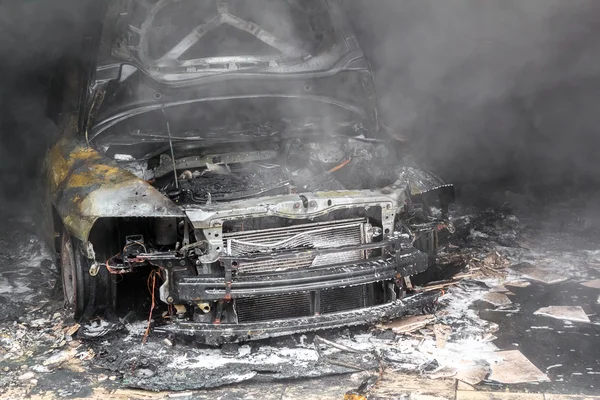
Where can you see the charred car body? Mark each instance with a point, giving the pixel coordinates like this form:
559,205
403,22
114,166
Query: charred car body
238,159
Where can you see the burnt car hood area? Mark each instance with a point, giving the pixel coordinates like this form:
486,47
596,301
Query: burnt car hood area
258,197
299,199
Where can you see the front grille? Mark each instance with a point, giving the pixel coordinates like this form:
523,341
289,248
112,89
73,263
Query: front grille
266,308
343,299
319,235
296,305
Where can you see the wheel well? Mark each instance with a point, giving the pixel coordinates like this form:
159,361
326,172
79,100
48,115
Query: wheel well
104,236
57,229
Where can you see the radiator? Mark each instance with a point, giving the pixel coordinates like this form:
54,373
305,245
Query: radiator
296,305
318,235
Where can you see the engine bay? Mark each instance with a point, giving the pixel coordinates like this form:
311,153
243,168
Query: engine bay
294,166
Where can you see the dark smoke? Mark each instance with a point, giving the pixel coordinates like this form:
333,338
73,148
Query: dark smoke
36,35
487,89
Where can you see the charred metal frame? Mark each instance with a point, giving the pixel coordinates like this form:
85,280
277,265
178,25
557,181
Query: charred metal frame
184,286
215,334
85,185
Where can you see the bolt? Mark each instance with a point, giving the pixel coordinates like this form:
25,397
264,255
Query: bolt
296,206
169,299
182,263
94,269
388,206
312,204
169,264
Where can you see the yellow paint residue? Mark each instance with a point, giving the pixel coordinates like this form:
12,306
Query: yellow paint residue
58,167
106,175
341,193
80,153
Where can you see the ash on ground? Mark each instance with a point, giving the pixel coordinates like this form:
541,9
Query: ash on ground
498,268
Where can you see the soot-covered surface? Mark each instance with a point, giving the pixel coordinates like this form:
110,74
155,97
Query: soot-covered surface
489,107
43,352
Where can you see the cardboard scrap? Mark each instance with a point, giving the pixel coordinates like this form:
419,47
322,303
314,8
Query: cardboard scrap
408,324
544,275
441,332
494,261
514,367
472,375
567,313
595,284
395,385
70,331
443,372
461,386
499,288
519,284
60,357
496,299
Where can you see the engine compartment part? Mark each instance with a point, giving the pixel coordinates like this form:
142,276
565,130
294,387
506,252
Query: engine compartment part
231,183
297,165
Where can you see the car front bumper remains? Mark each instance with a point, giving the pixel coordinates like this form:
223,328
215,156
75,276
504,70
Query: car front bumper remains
216,334
278,304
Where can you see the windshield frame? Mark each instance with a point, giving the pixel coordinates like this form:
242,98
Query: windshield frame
116,118
340,53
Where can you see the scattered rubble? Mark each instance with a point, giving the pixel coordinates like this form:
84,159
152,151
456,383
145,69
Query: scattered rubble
71,330
540,274
567,313
449,342
441,332
398,385
595,284
499,288
473,375
27,376
519,284
513,367
98,328
60,357
408,324
496,299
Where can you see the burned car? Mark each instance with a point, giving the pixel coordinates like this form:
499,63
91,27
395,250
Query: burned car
231,152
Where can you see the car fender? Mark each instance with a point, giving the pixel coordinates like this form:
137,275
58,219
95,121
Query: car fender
84,185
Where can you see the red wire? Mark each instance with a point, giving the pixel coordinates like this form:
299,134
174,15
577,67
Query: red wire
343,164
153,276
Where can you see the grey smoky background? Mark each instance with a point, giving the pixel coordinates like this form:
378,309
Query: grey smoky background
486,90
34,36
490,89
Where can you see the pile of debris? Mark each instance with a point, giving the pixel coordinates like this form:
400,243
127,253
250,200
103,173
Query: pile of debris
491,256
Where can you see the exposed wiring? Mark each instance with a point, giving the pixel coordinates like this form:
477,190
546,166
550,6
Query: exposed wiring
171,147
114,270
332,170
134,242
342,165
117,271
151,277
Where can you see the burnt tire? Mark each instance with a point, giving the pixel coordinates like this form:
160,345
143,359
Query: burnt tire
88,295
